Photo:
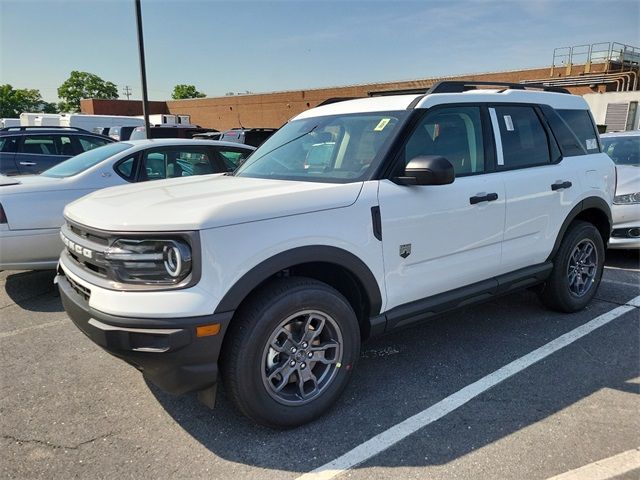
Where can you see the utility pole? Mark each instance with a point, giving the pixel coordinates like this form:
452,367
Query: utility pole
127,91
143,71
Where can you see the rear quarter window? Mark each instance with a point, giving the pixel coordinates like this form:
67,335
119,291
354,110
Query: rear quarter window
581,125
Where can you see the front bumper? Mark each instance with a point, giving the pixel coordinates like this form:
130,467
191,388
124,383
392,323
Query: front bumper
166,350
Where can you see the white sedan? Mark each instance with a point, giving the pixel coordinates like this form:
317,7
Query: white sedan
31,206
624,150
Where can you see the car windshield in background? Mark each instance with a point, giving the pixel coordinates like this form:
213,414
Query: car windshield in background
623,150
85,160
337,149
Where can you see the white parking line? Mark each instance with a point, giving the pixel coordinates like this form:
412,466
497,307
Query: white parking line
624,269
13,333
605,469
398,432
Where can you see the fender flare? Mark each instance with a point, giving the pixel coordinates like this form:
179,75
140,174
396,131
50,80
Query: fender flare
296,256
597,203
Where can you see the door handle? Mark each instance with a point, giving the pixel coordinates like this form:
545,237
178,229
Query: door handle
28,164
559,185
489,197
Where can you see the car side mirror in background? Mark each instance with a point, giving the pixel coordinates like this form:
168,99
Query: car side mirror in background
427,170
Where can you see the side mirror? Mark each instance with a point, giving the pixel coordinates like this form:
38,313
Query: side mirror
427,170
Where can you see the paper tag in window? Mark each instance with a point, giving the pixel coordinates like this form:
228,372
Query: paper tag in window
592,144
508,123
381,124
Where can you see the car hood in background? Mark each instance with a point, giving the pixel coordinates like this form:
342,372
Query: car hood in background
628,179
205,202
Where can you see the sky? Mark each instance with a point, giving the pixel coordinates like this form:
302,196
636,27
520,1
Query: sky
238,46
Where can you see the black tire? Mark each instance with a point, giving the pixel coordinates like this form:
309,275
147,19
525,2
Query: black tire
248,349
557,293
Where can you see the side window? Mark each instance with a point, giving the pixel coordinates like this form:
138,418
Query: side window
125,168
524,139
89,143
40,145
8,144
175,162
233,158
454,133
579,122
66,146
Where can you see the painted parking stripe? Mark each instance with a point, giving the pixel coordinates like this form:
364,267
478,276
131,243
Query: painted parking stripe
606,469
398,432
623,269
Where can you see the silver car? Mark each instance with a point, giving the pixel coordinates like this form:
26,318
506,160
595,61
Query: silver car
31,206
624,150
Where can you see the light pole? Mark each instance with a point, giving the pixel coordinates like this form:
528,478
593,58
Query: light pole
143,71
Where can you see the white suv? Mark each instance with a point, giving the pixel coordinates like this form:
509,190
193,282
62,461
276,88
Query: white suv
354,219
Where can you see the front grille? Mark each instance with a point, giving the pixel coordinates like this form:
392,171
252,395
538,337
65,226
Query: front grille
92,237
79,289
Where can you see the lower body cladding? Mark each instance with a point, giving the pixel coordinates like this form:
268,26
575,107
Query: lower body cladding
172,353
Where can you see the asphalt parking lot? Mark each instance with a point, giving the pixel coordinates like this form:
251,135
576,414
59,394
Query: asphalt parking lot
69,410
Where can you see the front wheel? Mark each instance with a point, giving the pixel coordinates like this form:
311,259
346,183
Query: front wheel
577,269
290,351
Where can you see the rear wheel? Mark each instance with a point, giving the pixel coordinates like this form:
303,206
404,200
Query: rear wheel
577,269
290,351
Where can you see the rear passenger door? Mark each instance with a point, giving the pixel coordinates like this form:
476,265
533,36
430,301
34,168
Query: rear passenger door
540,188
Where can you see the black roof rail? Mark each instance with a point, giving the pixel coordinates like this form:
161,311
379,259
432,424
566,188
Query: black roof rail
37,127
331,100
459,86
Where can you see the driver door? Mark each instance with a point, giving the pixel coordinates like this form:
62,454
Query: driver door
440,237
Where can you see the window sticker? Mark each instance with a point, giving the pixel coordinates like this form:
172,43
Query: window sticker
592,144
508,123
381,124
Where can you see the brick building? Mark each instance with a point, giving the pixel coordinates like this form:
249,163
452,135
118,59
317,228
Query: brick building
601,70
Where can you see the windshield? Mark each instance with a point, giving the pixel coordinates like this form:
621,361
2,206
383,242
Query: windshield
85,160
337,148
623,150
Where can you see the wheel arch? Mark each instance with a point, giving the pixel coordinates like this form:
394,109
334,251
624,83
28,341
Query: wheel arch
594,210
339,268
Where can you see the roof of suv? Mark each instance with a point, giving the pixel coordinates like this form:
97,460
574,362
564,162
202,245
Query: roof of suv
30,130
554,99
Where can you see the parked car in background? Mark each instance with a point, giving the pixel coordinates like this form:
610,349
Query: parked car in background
120,134
624,150
210,135
249,136
31,206
31,150
168,131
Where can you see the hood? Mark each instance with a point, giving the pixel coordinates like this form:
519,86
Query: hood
203,202
628,179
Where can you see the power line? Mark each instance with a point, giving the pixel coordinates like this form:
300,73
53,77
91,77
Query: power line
127,91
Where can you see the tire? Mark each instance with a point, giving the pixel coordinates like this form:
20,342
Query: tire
264,355
573,283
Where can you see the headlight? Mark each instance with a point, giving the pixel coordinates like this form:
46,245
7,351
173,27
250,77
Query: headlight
627,199
151,262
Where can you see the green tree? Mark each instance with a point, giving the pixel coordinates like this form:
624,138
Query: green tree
84,85
15,101
186,91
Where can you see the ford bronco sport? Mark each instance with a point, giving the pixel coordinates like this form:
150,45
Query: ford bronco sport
354,219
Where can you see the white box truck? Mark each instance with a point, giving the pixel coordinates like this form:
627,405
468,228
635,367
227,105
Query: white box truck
98,123
39,119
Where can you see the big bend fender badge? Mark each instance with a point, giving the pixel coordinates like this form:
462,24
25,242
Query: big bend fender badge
405,250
